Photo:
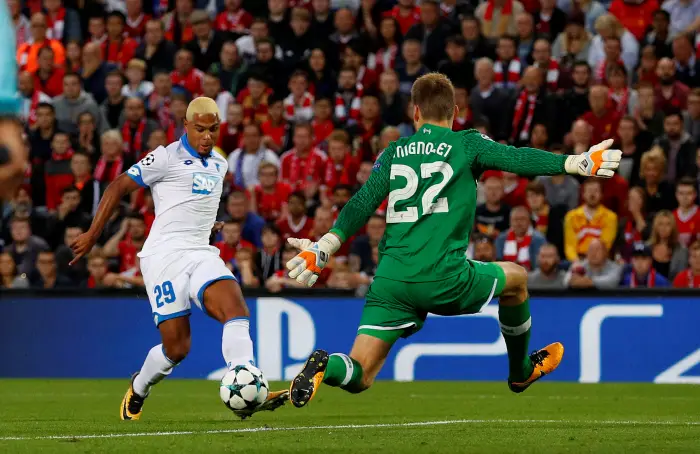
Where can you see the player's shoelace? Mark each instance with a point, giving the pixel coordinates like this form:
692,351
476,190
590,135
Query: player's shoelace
538,357
135,403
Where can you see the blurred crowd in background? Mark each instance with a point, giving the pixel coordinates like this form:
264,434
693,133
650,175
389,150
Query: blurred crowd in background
311,91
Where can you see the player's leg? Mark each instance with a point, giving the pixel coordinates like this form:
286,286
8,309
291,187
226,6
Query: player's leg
514,318
387,315
213,287
170,304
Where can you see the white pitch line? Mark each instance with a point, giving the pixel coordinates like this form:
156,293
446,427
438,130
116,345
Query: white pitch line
362,426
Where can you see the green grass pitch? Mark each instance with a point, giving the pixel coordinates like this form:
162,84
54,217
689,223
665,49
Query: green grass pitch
455,417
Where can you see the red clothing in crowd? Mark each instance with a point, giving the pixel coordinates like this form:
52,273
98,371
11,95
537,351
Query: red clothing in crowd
297,170
344,172
603,127
136,28
322,129
239,21
230,138
686,279
58,176
688,225
192,81
615,192
516,195
269,205
634,16
278,133
301,229
120,52
405,22
127,255
254,112
228,252
53,86
678,99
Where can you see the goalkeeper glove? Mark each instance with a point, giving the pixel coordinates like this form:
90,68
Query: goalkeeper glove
308,264
598,161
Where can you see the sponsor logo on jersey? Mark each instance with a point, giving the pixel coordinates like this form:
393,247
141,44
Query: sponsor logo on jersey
135,171
203,183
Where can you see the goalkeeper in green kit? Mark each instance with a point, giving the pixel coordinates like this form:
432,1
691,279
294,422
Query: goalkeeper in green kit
431,180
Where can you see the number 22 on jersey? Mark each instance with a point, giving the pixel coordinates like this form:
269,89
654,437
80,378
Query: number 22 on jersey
430,203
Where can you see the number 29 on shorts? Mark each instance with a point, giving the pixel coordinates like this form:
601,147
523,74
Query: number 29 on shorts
164,293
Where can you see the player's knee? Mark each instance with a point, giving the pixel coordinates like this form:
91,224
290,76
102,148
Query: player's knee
177,350
516,278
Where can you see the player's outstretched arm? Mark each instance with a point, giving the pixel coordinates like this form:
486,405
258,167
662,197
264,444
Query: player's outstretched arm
308,264
114,193
599,160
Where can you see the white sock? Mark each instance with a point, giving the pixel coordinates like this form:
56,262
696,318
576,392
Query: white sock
236,344
156,367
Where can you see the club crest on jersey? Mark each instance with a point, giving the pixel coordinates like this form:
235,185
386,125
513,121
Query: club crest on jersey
203,183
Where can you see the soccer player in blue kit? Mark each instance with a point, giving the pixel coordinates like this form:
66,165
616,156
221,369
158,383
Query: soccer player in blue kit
178,265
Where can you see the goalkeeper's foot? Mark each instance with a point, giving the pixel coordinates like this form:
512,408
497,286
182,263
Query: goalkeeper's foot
305,385
132,403
544,362
275,399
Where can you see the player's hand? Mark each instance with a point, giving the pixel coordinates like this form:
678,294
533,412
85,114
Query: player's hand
81,246
308,264
218,225
598,161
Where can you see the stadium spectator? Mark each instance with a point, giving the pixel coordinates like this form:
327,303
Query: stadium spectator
520,243
72,103
596,271
498,17
322,21
659,36
478,46
97,29
507,68
634,227
299,104
573,102
322,123
392,104
573,44
10,278
281,280
295,223
530,106
24,247
607,26
525,26
347,98
295,49
244,163
68,213
550,21
671,94
322,80
388,45
687,215
548,275
57,169
432,31
231,136
206,43
267,63
127,242
46,275
303,165
687,65
232,19
669,255
185,75
689,277
112,107
360,258
406,14
345,32
632,144
87,138
268,259
48,77
157,52
178,27
591,221
626,99
410,67
580,137
678,148
269,197
356,58
683,13
492,217
487,100
691,117
94,72
341,167
112,162
97,267
642,273
237,210
649,119
646,73
255,99
20,22
28,53
483,248
77,272
30,96
118,48
635,16
603,118
136,84
246,44
659,193
276,129
136,20
546,219
135,129
231,242
278,19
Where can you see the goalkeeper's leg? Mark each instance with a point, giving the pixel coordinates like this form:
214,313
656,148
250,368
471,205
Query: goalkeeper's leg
354,373
515,321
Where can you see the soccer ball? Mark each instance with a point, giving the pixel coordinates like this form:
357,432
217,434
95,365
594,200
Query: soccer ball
243,388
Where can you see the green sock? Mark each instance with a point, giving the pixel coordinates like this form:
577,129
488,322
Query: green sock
515,324
344,372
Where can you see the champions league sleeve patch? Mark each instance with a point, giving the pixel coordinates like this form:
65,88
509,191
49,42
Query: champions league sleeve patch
148,160
377,164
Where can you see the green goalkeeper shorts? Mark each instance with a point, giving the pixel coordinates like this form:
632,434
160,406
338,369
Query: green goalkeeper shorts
396,309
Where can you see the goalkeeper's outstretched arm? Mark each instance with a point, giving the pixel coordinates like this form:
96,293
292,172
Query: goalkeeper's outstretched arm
598,161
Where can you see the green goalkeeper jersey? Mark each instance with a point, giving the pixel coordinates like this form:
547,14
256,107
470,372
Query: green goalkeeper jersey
431,180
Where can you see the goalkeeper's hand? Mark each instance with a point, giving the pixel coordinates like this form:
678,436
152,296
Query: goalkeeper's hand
598,161
308,264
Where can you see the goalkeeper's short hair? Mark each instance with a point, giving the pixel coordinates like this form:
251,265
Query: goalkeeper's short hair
434,95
